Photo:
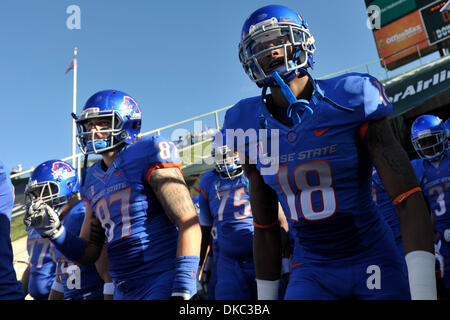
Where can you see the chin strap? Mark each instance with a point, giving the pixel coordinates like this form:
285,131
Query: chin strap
286,76
296,107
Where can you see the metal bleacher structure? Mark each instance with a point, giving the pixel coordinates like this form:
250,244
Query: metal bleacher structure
195,154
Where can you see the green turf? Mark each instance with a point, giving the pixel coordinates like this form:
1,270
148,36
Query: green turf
17,228
194,153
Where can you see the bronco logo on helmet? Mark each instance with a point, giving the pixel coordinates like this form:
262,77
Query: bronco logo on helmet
61,170
129,108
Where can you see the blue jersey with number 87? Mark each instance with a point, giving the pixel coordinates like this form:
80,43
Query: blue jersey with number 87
141,239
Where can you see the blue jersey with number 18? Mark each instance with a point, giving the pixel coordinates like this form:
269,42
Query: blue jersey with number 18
319,167
141,239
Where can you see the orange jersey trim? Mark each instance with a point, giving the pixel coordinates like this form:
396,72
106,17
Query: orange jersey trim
296,264
203,192
365,126
363,130
162,166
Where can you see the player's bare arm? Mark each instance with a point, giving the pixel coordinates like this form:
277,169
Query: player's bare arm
173,195
94,235
398,177
284,229
102,267
267,240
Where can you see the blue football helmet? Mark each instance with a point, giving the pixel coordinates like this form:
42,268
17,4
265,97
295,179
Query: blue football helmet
115,106
54,182
226,160
429,137
275,27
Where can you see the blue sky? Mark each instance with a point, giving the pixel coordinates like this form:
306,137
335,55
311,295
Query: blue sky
178,59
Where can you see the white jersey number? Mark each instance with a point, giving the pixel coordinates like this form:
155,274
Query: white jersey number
104,215
440,199
237,202
322,170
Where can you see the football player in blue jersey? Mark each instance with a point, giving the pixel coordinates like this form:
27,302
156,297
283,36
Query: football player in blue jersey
311,144
429,138
136,200
447,127
38,277
10,288
55,183
224,202
386,208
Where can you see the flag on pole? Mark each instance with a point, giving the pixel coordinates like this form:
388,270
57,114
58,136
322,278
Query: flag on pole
72,65
446,6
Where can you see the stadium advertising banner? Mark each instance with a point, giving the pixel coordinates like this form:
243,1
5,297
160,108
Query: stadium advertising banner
408,29
401,38
437,24
393,10
419,85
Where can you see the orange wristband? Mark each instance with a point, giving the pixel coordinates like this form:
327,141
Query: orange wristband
404,196
267,226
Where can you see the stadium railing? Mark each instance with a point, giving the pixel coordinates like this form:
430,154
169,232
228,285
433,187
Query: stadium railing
181,132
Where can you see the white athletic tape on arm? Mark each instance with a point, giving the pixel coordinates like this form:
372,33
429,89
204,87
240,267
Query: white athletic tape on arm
108,288
421,274
57,286
268,289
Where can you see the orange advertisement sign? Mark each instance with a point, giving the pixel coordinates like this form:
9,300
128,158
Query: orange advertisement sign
401,38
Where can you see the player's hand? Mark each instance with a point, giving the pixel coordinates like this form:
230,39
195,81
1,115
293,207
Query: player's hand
43,219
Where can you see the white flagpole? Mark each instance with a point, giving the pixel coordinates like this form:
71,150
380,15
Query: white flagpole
74,105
